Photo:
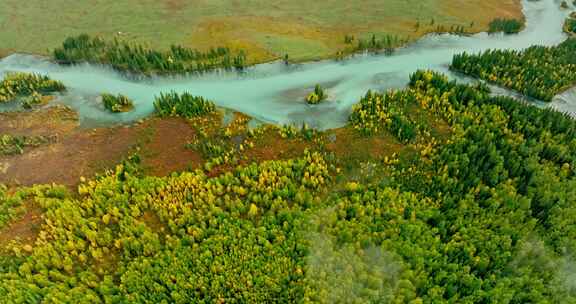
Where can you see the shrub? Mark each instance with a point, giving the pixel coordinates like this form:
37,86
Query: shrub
117,103
317,96
184,105
22,85
10,145
570,26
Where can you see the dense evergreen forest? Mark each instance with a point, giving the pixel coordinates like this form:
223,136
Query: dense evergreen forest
539,72
570,24
139,59
506,26
484,214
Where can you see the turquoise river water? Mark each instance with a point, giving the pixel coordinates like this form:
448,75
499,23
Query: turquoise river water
274,92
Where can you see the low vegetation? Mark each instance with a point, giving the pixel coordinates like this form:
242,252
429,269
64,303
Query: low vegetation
135,58
265,30
117,103
28,88
506,26
539,72
10,145
183,105
317,96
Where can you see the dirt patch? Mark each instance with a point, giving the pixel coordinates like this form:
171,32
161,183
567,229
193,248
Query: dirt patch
152,220
5,52
57,120
25,229
484,11
349,143
175,5
164,151
82,153
271,147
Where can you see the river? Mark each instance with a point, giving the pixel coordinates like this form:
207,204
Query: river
275,93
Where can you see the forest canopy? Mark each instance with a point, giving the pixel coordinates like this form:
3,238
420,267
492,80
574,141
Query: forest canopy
484,215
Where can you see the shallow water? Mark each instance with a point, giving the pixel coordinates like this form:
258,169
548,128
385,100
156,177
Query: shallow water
275,93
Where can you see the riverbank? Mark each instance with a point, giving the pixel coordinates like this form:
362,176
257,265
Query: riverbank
262,90
167,145
298,28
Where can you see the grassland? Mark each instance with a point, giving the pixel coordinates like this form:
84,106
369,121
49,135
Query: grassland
305,30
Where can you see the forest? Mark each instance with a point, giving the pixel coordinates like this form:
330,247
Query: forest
139,59
539,72
377,112
485,213
506,26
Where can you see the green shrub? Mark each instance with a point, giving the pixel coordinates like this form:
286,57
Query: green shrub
117,103
570,26
507,26
317,96
17,86
184,105
136,58
10,145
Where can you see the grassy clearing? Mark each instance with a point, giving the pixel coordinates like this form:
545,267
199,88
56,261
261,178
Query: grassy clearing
266,29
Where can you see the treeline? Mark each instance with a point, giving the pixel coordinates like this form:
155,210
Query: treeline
506,26
27,88
385,43
539,72
135,58
183,105
117,103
